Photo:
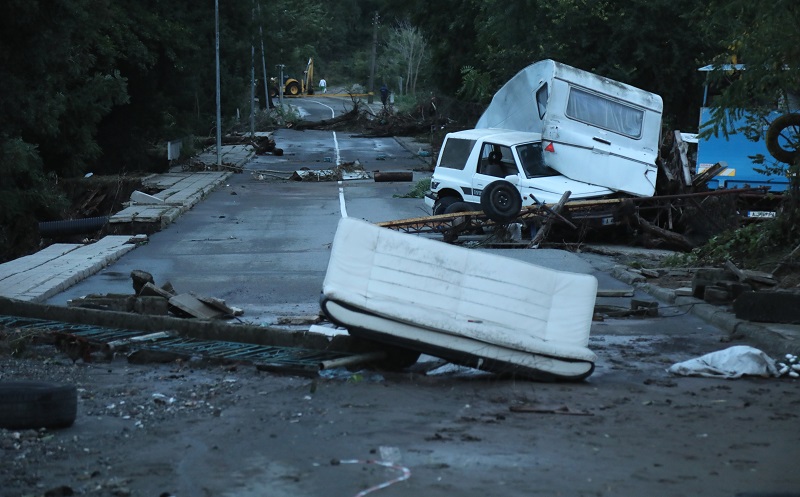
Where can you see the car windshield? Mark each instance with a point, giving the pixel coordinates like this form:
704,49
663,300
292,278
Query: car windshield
530,155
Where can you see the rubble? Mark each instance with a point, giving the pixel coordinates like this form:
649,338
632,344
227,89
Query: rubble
149,299
345,171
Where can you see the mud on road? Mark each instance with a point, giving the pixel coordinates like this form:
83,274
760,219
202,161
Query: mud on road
198,429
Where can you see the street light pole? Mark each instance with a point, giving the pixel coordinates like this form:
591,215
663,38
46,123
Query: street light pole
374,53
219,111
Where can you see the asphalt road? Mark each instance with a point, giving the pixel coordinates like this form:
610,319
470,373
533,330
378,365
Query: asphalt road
263,244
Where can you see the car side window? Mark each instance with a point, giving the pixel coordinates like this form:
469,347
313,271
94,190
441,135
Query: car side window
496,160
532,160
456,153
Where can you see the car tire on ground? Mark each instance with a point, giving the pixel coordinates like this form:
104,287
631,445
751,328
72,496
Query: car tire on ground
441,205
458,207
501,201
37,404
775,145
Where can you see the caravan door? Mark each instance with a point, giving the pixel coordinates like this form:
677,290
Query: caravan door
600,139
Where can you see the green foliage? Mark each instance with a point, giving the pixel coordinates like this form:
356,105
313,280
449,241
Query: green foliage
475,85
27,194
419,190
623,40
762,36
746,245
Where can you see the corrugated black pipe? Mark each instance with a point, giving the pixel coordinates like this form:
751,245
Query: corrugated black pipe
49,229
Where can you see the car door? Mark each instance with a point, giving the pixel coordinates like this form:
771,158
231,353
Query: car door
485,172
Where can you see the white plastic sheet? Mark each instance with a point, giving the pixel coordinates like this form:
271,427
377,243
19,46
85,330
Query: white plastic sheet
733,362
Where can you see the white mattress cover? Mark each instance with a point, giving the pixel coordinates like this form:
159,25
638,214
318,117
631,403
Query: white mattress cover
460,291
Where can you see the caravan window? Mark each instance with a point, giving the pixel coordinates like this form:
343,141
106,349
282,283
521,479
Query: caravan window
604,113
541,100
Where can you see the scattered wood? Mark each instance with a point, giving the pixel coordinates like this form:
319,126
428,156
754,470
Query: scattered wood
349,116
151,290
150,337
709,174
346,171
673,238
220,305
546,224
748,276
625,292
384,177
190,305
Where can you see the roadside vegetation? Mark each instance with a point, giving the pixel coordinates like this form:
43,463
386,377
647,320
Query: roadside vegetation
100,86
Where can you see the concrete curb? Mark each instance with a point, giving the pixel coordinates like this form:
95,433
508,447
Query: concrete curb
766,336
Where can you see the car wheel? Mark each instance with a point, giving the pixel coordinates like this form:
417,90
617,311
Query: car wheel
36,404
783,131
501,201
441,205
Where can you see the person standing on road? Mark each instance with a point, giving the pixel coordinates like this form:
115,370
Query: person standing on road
323,85
384,94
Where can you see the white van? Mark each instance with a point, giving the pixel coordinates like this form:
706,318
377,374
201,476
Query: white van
593,129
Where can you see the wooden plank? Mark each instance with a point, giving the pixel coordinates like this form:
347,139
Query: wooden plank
191,305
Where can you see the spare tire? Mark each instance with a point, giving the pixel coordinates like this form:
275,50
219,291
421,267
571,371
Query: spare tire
501,201
36,404
775,146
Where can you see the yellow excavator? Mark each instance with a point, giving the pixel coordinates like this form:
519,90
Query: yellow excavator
293,87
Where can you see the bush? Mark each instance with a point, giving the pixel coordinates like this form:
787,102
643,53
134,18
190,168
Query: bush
749,246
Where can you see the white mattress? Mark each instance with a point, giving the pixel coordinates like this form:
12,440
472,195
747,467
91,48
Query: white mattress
462,292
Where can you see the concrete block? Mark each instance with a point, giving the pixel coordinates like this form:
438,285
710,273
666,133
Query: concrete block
768,306
716,294
138,197
709,276
151,306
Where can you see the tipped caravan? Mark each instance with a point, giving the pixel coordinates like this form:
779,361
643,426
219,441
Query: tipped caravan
593,129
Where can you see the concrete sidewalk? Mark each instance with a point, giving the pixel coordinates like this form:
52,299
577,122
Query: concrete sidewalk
37,277
181,190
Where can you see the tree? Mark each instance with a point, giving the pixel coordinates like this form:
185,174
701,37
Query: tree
762,36
407,52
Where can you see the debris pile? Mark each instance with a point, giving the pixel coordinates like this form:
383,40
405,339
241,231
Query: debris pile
150,299
344,171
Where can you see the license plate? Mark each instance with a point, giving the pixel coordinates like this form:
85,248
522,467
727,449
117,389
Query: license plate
761,214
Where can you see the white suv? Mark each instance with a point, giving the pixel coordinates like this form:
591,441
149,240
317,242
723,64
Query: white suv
499,172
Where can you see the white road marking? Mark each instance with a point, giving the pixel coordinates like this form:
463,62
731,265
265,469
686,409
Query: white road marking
342,206
333,113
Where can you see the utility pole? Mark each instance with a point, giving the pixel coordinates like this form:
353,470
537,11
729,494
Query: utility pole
253,79
263,60
374,53
219,105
